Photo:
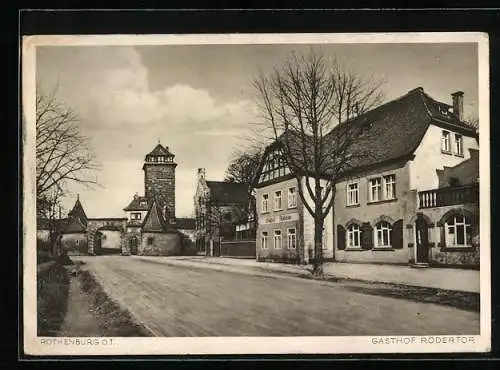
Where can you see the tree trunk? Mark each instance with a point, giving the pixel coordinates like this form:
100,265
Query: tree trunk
318,244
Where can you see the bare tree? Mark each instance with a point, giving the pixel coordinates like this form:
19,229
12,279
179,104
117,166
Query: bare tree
472,121
309,102
219,222
244,166
63,154
243,169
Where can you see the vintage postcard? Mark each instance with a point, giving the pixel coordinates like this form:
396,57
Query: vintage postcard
256,194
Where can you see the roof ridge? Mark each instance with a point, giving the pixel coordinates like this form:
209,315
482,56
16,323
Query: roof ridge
427,109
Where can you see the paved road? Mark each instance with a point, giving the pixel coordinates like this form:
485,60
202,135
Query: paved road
180,301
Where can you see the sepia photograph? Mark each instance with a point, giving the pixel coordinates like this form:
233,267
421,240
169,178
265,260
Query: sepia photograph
254,194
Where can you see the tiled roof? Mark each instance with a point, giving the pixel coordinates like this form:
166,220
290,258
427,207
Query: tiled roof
465,173
78,212
160,150
154,221
138,204
389,132
228,192
186,223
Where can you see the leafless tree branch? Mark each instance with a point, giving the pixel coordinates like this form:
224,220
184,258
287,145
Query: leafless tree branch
309,103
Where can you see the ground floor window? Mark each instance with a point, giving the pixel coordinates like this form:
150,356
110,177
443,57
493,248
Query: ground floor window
353,236
150,240
264,240
458,231
383,234
277,239
292,238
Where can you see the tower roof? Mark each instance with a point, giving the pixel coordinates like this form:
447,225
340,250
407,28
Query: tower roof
160,150
78,212
154,220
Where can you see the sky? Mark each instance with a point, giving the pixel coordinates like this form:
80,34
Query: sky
197,100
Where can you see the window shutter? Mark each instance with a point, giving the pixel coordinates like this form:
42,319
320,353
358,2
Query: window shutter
442,236
397,235
340,237
366,236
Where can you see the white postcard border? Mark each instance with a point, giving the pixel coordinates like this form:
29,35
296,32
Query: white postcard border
34,345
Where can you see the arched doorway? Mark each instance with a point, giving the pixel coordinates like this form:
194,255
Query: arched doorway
133,245
421,240
97,243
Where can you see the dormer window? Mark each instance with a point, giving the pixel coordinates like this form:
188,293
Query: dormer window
161,159
143,203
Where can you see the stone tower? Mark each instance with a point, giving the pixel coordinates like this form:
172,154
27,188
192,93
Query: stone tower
159,179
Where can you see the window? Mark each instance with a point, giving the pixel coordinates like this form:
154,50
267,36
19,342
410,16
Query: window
77,242
150,240
277,200
263,240
227,216
292,239
458,232
387,183
445,141
265,198
352,194
459,145
390,186
375,189
383,234
277,239
135,216
292,198
274,166
353,236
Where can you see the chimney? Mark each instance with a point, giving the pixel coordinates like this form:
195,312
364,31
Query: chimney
136,196
201,174
458,104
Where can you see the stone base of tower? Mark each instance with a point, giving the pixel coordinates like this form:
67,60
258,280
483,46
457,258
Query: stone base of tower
160,244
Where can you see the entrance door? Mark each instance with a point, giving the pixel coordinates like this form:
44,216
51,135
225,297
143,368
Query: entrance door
422,239
133,246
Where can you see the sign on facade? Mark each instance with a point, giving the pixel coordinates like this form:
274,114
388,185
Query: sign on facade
279,218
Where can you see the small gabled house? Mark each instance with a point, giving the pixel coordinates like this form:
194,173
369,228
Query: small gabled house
136,213
219,208
74,234
158,237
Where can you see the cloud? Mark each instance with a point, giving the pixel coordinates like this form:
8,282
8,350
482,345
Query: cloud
108,87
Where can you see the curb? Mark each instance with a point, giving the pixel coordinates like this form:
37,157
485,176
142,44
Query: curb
269,272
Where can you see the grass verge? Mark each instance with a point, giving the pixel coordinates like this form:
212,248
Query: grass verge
112,319
52,299
467,301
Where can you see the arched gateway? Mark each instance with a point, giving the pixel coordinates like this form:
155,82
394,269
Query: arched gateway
106,235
